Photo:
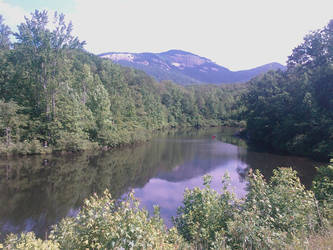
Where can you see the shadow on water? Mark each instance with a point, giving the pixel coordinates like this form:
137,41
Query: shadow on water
36,192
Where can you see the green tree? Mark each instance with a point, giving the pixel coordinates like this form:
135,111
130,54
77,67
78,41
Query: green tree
42,55
11,121
315,51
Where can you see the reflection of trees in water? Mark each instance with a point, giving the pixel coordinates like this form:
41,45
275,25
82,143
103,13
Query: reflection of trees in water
267,162
241,170
205,157
36,192
42,189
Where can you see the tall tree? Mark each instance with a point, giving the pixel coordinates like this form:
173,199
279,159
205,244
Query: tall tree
315,51
293,110
42,52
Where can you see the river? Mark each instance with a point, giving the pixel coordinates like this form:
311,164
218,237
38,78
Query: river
38,191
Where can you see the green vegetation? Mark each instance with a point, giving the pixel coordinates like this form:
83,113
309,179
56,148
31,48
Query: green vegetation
323,189
292,110
54,96
279,214
53,185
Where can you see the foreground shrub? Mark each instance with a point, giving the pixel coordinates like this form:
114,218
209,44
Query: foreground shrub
279,214
28,241
272,215
318,241
205,213
275,213
323,189
103,224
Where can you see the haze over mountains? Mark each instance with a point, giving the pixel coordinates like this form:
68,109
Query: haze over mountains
185,68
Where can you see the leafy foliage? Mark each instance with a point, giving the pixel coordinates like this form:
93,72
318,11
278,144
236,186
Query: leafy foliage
11,121
272,215
275,214
322,186
29,241
102,223
292,110
205,213
72,100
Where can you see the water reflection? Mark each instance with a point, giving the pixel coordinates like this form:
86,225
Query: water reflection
36,192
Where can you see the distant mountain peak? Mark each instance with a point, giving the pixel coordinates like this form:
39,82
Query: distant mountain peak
184,67
177,51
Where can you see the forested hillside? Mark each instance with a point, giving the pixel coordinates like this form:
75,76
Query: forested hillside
185,68
55,96
293,110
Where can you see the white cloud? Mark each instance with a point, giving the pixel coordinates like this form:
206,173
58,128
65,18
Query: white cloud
13,15
237,34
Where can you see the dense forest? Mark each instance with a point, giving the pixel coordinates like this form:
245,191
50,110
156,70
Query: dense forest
292,110
55,96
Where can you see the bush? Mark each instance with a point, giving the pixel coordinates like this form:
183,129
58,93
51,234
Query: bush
275,213
23,148
323,188
102,223
205,213
71,142
279,214
28,241
272,215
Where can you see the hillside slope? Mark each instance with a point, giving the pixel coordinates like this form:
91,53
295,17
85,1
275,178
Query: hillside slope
185,68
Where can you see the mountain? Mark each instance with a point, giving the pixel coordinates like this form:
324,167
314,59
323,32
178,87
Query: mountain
185,68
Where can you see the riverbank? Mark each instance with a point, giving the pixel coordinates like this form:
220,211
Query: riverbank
261,146
54,186
72,143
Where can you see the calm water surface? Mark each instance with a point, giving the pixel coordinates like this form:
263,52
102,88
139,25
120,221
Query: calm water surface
36,192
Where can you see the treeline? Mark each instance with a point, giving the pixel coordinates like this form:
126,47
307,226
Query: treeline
54,96
275,214
292,110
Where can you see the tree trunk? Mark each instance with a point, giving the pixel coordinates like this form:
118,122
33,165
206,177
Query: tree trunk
53,106
7,168
8,136
84,94
47,108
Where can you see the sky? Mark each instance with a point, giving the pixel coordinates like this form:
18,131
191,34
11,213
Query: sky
237,34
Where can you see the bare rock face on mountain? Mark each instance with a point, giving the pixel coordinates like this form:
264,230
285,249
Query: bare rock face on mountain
185,68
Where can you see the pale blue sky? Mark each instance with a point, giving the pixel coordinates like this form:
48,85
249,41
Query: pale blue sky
30,5
237,34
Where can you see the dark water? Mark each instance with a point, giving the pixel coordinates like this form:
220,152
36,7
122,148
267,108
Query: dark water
36,192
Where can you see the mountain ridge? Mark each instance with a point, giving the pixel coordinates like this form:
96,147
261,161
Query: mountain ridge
185,67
